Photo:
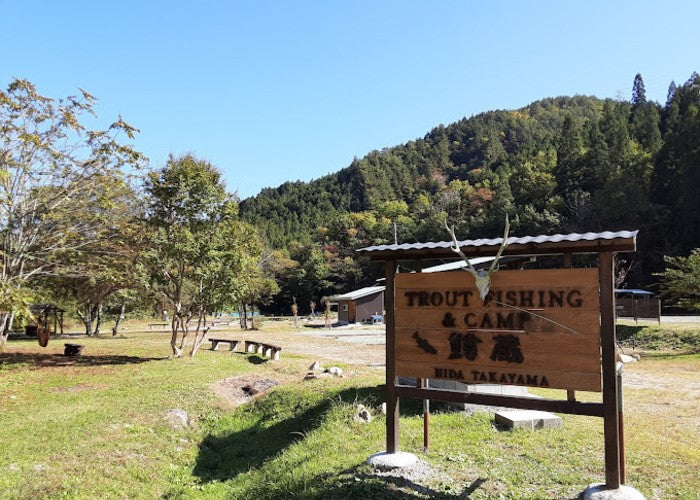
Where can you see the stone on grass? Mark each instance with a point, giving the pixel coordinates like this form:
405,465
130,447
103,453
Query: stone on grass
335,370
527,419
625,358
258,386
597,491
388,461
177,418
362,414
310,376
315,366
382,408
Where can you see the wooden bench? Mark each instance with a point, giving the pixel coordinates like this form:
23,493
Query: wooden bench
151,325
215,344
267,350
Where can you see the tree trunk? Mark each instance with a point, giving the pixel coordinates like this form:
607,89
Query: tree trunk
10,322
87,318
198,341
240,314
252,318
4,330
115,330
98,318
184,326
245,317
175,325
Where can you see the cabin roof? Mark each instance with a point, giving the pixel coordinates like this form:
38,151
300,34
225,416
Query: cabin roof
606,241
358,294
633,291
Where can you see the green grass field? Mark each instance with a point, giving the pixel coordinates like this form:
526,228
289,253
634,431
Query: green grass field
96,427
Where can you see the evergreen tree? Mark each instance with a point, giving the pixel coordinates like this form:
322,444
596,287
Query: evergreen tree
569,148
596,164
639,95
645,126
671,92
676,174
613,124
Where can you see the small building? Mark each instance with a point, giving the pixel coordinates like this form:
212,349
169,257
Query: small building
635,303
360,305
46,316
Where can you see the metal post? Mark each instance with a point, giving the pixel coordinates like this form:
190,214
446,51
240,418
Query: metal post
392,401
610,391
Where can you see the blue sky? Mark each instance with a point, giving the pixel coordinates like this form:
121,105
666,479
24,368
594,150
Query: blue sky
276,91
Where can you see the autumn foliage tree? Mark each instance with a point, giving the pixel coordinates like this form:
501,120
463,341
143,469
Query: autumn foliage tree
49,162
201,254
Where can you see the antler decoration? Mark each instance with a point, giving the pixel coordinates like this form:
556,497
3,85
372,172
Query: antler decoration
482,278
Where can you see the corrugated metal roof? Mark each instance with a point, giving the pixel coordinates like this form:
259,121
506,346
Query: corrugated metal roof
633,291
358,294
513,240
458,264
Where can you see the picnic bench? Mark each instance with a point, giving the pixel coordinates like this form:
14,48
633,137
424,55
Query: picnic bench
268,350
215,343
162,325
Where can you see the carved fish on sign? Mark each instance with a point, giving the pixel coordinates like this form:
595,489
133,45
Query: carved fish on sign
424,344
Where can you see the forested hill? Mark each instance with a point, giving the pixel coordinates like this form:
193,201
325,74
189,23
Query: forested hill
558,165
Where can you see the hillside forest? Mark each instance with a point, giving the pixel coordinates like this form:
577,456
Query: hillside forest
86,224
558,165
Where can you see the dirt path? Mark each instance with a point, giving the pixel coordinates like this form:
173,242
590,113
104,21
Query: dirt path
350,345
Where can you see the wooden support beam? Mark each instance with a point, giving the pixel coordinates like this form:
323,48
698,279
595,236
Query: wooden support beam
611,407
559,406
570,394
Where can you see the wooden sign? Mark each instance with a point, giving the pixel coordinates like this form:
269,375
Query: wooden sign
538,328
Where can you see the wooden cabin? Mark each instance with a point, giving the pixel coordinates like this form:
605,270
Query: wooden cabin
360,305
637,304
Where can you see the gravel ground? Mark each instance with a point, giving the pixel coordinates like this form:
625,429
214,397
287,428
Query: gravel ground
668,319
359,345
352,344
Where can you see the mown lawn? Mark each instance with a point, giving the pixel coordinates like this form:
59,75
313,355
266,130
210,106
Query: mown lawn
96,428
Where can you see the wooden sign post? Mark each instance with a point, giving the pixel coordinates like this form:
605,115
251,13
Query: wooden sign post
552,328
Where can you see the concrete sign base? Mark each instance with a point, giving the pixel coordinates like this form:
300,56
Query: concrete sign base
388,461
597,491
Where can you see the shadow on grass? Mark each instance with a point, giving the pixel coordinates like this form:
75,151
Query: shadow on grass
223,457
256,360
627,332
358,483
318,326
48,360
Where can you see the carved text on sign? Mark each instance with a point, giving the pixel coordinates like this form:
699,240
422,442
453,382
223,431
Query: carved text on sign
535,327
492,377
511,298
